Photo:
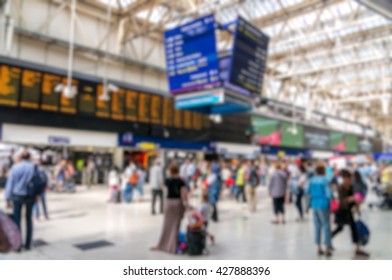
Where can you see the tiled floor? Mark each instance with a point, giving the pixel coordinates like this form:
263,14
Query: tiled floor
85,217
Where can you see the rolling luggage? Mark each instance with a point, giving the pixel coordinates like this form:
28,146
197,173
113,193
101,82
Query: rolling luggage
10,238
117,196
196,242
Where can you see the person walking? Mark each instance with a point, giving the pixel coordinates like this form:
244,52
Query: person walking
114,185
140,182
132,178
344,214
156,185
240,183
252,182
278,190
176,203
41,198
214,185
320,195
300,191
17,194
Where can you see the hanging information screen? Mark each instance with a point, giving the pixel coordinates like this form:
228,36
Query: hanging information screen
168,110
131,103
31,89
144,107
87,94
68,105
249,57
118,104
103,106
156,109
50,98
191,56
9,85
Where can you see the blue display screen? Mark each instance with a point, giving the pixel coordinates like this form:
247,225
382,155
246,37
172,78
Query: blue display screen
191,56
249,57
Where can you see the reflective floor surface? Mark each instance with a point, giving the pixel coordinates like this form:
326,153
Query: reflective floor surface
84,226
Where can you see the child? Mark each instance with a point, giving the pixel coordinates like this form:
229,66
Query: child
199,217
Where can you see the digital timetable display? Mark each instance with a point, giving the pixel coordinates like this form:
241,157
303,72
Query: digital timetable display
86,94
102,106
40,90
144,107
191,56
249,57
9,85
131,105
31,89
156,109
50,98
68,105
118,105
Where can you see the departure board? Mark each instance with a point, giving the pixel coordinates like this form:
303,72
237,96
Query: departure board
9,85
144,107
156,109
178,115
103,106
196,121
31,89
68,105
249,57
168,111
87,98
50,99
206,124
118,104
191,56
131,105
187,119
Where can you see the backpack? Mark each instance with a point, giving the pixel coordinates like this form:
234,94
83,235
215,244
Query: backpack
134,179
254,179
38,183
363,232
10,238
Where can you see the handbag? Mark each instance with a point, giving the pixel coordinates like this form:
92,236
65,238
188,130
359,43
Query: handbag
334,206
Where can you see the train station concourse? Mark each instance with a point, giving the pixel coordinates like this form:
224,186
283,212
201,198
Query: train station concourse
195,130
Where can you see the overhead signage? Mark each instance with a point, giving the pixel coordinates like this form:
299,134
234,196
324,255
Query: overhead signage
59,140
207,98
191,56
249,57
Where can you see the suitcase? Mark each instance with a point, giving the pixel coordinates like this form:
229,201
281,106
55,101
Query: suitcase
117,196
196,242
10,238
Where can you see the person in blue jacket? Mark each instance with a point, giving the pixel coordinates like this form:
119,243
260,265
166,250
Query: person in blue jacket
214,187
320,195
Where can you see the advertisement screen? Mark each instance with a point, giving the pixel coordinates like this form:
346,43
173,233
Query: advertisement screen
9,85
365,145
191,56
341,142
277,133
31,89
316,139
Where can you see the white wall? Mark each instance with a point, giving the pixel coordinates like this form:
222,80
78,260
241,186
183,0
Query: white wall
90,30
38,135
